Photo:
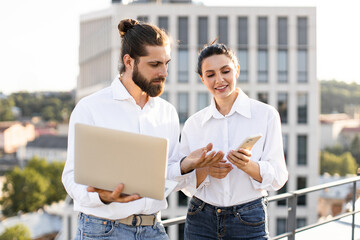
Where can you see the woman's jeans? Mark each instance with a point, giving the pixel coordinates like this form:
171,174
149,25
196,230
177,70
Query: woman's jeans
92,228
244,221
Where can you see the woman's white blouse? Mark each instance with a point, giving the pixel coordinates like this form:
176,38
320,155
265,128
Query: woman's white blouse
247,117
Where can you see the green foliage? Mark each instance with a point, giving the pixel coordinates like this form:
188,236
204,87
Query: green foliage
355,148
39,183
342,164
17,232
55,106
335,96
5,110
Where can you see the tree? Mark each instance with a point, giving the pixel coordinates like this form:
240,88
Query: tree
6,113
24,190
17,232
355,148
52,172
342,165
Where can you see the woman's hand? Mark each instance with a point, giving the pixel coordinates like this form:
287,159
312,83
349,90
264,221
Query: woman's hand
241,159
201,158
220,170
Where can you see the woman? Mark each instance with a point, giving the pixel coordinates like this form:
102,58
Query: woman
229,197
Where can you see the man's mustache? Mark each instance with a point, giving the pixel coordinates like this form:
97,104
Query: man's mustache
161,79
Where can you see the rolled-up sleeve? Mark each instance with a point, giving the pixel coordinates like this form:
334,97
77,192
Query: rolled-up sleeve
272,163
77,191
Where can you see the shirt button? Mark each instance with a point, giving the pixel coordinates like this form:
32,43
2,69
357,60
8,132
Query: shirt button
219,210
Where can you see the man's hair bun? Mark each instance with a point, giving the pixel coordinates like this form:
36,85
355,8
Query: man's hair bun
125,25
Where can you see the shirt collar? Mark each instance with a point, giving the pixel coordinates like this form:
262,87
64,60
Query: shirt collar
241,106
120,93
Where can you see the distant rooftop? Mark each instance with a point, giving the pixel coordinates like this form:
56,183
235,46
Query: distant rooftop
330,118
49,141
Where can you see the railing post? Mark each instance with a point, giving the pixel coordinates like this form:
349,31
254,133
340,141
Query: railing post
353,207
291,223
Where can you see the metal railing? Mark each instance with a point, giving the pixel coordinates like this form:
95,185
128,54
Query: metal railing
292,205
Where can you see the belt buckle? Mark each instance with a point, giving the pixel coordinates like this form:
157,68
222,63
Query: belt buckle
137,220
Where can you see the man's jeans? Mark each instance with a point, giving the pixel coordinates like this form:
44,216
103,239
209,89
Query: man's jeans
244,221
90,227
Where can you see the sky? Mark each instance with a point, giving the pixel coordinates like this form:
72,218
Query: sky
40,39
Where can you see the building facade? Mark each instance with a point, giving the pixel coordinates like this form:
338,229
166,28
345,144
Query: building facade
276,47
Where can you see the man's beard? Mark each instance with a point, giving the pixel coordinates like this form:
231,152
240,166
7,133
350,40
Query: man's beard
147,86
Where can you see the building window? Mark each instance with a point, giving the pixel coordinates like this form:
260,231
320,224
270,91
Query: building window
142,18
302,33
262,32
285,144
282,103
282,190
302,150
183,65
181,229
182,199
301,222
183,106
302,102
262,66
262,50
243,62
183,53
302,66
263,97
301,183
223,30
163,23
282,27
202,100
183,31
242,40
282,66
165,96
280,226
302,41
203,32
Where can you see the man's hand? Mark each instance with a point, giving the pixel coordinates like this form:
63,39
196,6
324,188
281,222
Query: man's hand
199,159
114,196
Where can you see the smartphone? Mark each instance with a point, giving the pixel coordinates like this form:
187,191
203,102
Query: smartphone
249,142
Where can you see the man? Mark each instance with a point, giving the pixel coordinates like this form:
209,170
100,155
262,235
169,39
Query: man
130,104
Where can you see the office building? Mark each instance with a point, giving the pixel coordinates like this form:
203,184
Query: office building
276,47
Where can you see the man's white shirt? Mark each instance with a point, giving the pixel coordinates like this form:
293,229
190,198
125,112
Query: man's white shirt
113,107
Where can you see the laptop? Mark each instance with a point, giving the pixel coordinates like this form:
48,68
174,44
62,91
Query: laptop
106,157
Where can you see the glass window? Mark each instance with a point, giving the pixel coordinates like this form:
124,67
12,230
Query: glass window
302,66
243,62
183,65
183,31
262,31
301,222
202,31
281,226
301,183
302,102
223,30
165,96
182,199
142,18
183,106
302,31
285,144
282,190
242,32
263,97
262,66
181,229
282,106
163,23
282,66
302,150
282,31
202,100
